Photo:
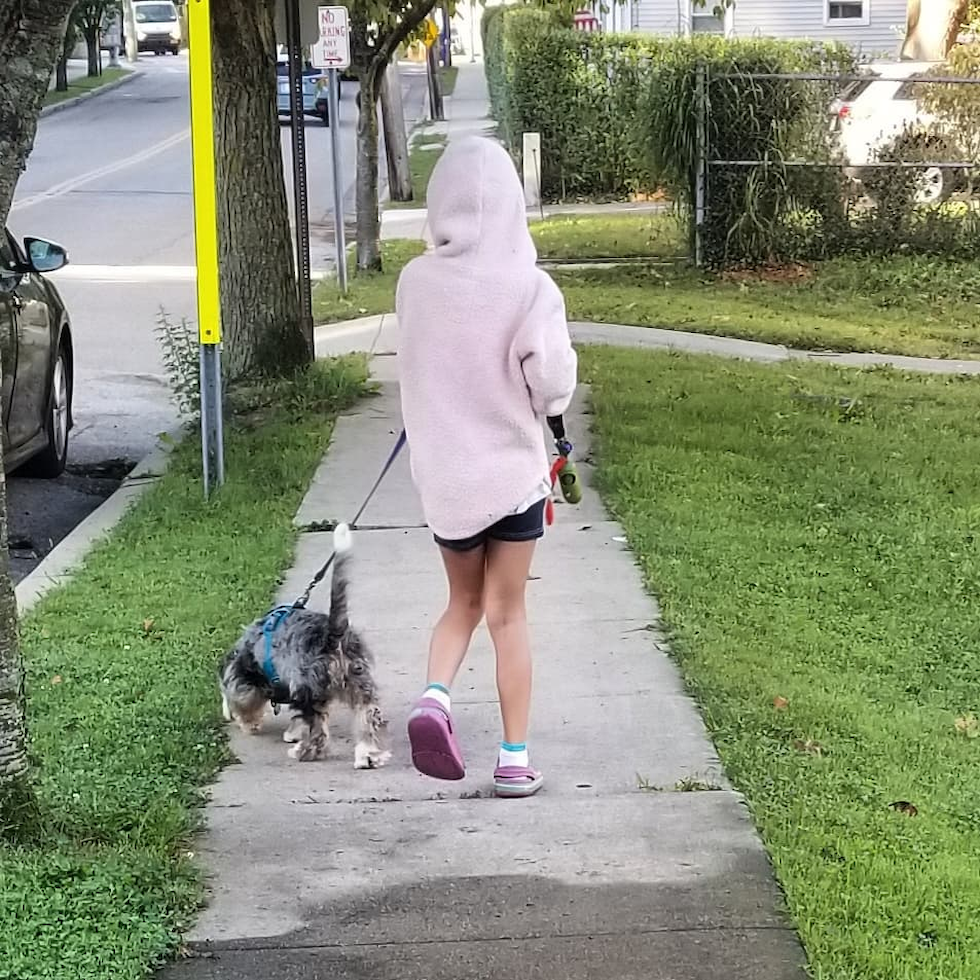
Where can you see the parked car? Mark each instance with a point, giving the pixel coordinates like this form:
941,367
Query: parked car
37,355
315,91
882,112
157,26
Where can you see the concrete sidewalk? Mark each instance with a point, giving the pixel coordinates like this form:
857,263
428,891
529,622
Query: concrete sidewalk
321,871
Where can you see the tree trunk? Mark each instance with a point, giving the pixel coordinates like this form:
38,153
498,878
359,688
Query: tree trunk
61,74
447,30
435,89
31,36
129,32
932,27
368,217
16,797
260,314
396,140
92,50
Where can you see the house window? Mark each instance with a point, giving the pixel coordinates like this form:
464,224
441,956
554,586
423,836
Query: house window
847,13
705,19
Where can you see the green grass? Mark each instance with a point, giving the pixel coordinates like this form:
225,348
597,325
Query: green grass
368,293
124,716
900,305
423,155
82,85
609,236
913,305
818,568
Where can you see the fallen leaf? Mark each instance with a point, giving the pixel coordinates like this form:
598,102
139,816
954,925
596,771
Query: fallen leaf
968,726
56,679
903,806
147,625
780,703
809,746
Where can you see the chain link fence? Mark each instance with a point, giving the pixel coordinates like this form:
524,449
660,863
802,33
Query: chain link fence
802,166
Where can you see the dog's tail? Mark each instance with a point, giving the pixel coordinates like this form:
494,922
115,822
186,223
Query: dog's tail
342,545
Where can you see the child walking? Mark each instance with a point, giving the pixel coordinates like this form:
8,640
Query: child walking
484,357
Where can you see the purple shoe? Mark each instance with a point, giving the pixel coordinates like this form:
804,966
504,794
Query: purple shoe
515,782
435,751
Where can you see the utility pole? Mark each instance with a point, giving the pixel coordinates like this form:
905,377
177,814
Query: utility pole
396,141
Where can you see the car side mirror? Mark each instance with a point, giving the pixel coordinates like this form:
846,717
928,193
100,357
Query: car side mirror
45,256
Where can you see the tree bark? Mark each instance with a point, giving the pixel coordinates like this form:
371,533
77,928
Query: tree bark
61,74
931,28
92,51
371,51
435,89
368,216
31,36
396,139
263,335
16,796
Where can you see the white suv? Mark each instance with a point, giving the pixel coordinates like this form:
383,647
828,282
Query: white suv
872,114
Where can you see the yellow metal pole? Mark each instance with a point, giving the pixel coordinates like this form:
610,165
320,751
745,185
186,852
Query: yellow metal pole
206,241
205,190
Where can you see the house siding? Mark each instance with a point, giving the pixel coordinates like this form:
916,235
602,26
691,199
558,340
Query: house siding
805,19
662,16
784,19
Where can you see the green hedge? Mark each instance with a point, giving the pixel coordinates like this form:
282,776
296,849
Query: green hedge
591,95
617,114
579,91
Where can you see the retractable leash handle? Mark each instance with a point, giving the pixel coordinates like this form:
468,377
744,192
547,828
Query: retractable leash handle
567,474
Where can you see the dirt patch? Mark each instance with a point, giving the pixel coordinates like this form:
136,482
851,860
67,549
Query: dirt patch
774,273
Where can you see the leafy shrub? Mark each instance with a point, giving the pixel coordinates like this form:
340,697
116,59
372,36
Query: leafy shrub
578,90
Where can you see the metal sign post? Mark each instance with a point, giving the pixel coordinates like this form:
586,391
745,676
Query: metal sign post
296,66
206,243
332,52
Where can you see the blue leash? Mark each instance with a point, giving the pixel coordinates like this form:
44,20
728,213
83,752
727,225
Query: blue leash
280,614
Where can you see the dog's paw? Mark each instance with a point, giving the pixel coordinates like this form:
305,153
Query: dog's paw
370,757
251,728
308,751
295,733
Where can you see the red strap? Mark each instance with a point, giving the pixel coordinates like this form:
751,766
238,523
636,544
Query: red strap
549,507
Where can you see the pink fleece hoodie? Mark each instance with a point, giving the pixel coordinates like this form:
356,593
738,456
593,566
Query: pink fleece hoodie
484,353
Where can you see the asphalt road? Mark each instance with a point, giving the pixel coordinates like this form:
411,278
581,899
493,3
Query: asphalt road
110,179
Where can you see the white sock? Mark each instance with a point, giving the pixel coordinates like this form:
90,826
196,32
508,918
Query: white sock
513,755
439,693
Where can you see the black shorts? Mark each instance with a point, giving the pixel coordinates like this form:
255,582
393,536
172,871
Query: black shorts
528,526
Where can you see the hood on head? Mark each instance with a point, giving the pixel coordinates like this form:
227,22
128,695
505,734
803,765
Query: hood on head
476,203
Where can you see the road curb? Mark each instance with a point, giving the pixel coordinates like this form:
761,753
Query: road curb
133,74
70,552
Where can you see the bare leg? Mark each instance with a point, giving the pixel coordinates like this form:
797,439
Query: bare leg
508,564
452,635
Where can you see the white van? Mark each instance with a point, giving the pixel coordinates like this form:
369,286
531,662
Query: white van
157,26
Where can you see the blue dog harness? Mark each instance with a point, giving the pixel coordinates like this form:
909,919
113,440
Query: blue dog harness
276,617
272,622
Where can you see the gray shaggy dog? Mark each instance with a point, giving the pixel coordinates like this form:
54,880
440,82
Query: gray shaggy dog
310,662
